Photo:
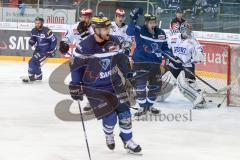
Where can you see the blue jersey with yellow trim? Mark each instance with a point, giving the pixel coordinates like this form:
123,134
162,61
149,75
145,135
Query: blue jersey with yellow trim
97,65
44,38
149,47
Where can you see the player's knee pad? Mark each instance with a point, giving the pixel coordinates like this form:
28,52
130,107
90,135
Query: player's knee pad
125,122
109,122
168,84
186,89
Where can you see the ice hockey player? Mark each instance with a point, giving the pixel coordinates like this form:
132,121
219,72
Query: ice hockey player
177,22
77,32
45,46
119,29
150,43
102,57
187,52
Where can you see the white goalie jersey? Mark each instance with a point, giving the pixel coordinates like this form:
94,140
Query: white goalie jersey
188,50
120,32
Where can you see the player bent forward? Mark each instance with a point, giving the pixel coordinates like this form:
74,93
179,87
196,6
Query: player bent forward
101,57
187,52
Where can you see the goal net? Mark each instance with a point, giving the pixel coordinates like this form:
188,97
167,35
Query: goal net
220,68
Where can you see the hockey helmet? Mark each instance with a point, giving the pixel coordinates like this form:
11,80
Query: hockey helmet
100,22
186,30
149,17
120,12
86,12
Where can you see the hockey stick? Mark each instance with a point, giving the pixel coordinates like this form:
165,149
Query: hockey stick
84,130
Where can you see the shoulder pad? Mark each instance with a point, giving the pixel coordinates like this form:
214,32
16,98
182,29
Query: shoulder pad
47,31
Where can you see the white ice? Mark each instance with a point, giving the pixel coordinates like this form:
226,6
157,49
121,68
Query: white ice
29,129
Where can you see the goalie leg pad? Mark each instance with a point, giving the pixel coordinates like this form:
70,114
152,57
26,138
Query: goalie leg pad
188,91
169,83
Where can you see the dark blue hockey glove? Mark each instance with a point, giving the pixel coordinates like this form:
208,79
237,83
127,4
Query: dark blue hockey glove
64,47
52,53
31,42
135,13
76,91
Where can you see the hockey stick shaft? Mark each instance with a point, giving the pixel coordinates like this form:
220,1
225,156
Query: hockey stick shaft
84,130
209,85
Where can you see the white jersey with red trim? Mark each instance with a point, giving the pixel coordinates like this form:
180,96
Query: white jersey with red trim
73,36
120,32
188,50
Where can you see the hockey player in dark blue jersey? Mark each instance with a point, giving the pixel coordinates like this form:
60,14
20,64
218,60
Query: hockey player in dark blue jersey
45,45
95,73
150,44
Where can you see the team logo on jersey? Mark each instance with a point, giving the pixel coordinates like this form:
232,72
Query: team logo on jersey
154,47
180,50
105,63
175,26
161,37
42,35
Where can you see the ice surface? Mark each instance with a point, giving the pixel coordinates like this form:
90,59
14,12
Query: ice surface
29,129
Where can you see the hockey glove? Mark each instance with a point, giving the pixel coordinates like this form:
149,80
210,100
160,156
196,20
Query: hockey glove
64,47
31,42
51,53
135,13
82,27
76,92
126,46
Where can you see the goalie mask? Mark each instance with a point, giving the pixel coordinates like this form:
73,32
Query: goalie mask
186,30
